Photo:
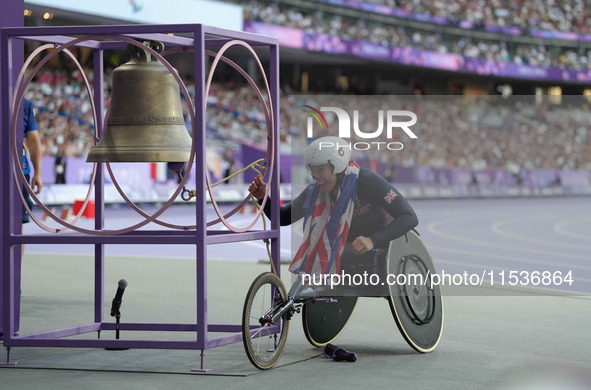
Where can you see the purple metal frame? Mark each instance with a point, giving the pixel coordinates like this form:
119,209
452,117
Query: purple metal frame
11,238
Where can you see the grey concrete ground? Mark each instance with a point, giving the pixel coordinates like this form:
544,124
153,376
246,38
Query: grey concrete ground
489,341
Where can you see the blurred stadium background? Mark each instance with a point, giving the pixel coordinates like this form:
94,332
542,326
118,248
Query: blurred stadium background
484,52
502,89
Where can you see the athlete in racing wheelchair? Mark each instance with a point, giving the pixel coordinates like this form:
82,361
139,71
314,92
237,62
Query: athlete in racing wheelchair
354,222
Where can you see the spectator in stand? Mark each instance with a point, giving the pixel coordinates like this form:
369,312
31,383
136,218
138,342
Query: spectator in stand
60,167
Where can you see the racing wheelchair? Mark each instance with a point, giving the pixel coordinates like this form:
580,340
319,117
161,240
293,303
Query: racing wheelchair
416,305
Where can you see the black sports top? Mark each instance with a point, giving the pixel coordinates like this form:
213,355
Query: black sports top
377,202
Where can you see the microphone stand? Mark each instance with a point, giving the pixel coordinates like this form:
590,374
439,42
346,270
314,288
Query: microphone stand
117,329
117,324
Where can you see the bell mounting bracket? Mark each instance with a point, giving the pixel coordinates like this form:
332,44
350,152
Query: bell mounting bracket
141,55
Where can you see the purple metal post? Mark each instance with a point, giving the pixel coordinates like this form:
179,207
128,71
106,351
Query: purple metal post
9,210
201,221
3,188
99,220
3,167
11,16
5,205
274,76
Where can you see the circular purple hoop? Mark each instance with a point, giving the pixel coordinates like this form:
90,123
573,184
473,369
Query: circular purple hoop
17,164
14,97
270,123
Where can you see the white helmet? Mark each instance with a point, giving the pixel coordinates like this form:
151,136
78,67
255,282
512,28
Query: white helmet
328,150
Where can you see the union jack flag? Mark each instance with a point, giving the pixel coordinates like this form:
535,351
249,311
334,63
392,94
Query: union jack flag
390,196
326,228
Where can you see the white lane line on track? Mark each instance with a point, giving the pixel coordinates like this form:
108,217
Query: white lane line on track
559,228
431,227
541,290
510,258
242,221
255,244
496,228
264,246
492,267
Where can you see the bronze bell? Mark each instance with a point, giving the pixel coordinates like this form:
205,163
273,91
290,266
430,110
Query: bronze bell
145,122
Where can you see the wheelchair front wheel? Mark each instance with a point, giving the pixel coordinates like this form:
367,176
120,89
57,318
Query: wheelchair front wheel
264,341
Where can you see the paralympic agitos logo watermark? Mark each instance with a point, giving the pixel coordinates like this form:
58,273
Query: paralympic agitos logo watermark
388,121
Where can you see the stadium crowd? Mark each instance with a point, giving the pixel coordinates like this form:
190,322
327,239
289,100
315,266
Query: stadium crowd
320,22
63,111
481,133
477,132
550,15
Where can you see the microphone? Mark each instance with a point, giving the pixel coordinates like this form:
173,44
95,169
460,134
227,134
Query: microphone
118,296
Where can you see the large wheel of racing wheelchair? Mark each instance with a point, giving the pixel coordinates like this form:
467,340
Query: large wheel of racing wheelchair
324,321
264,338
417,306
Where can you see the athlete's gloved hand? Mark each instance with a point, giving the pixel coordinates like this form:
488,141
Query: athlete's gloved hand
361,245
257,188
